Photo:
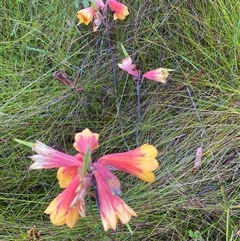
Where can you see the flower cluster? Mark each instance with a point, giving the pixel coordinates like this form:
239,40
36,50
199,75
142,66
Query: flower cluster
98,11
68,205
79,173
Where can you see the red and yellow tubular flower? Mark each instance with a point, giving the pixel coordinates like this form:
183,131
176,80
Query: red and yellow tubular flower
86,15
111,207
60,209
119,9
86,139
159,75
139,162
68,205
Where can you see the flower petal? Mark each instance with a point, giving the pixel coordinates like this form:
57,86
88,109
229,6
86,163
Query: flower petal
84,139
49,158
79,200
119,9
139,162
65,175
112,181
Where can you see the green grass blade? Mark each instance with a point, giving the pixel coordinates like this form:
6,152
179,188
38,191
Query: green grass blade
124,51
26,143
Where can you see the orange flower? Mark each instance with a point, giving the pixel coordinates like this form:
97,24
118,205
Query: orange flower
67,206
139,162
119,9
112,208
60,209
86,139
159,75
86,15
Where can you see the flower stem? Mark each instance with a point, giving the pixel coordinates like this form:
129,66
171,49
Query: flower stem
138,108
113,62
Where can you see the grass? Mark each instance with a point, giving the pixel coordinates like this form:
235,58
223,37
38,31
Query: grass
199,39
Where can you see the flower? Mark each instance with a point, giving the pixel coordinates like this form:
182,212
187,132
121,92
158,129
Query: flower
158,75
129,67
91,13
84,139
68,205
71,202
60,209
86,15
139,162
119,9
94,12
49,158
112,208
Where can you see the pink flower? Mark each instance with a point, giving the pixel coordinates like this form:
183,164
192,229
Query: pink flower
159,75
111,207
71,202
119,9
84,139
129,67
139,162
49,158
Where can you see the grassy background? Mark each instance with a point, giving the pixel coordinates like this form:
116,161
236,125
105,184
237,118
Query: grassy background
199,39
